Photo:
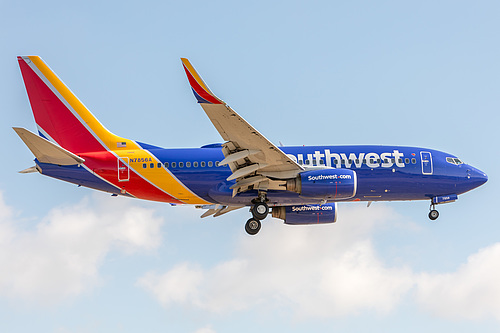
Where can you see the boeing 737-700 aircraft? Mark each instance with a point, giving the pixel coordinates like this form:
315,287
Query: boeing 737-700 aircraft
302,185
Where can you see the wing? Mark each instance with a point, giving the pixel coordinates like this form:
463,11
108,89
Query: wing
253,159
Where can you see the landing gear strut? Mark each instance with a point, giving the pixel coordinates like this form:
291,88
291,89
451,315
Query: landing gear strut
259,212
433,214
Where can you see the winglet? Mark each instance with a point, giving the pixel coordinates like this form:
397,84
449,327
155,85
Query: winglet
200,89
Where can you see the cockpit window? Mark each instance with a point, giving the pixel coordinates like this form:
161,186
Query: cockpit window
454,160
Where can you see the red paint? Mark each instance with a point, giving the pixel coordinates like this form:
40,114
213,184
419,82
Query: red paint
104,164
54,117
199,89
60,123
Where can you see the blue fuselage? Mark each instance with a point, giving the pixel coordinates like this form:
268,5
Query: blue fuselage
384,173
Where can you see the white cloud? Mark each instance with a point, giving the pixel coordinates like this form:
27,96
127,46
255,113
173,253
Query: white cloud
472,292
329,271
61,256
177,285
318,271
315,271
206,329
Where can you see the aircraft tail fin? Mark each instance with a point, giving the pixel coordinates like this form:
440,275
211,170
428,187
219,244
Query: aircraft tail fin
60,116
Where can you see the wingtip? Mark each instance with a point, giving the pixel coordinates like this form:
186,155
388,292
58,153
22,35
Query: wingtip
200,89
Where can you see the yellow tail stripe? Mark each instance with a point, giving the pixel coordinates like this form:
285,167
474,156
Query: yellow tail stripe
106,137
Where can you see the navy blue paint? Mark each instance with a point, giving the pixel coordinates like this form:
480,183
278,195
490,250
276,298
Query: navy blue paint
147,146
77,175
310,214
374,183
199,98
328,184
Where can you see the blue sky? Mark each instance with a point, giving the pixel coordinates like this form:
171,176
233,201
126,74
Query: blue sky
313,72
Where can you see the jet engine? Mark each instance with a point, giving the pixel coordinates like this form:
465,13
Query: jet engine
328,184
307,214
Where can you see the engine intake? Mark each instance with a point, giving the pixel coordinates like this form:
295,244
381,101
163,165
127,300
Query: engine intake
329,184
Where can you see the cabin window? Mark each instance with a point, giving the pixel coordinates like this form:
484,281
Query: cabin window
314,162
300,162
202,164
210,164
400,160
195,164
151,165
308,162
144,165
165,164
188,164
350,161
393,160
181,164
217,163
413,161
174,164
321,162
407,160
159,165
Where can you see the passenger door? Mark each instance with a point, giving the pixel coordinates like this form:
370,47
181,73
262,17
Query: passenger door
426,158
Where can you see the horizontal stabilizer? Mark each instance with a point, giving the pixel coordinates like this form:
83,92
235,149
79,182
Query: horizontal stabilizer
46,151
29,170
217,210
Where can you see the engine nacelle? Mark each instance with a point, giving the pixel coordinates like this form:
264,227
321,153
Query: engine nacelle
329,184
307,214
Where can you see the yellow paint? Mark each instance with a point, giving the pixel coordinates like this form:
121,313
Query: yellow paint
159,177
196,76
108,138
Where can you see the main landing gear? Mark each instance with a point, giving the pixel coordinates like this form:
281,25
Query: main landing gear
259,211
433,214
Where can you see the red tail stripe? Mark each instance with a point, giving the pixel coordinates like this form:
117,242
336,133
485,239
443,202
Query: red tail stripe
199,89
54,117
61,124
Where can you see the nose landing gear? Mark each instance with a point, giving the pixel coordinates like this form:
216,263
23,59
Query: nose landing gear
433,214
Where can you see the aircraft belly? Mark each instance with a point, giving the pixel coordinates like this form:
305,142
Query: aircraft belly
77,175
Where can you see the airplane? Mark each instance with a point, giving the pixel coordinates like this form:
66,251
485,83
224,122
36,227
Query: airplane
300,185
